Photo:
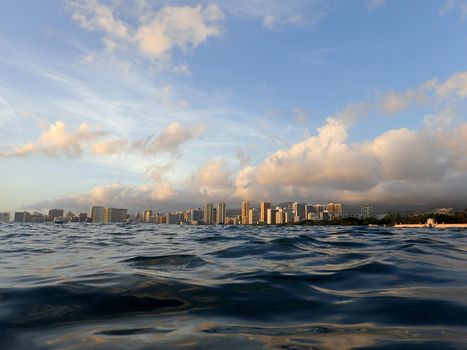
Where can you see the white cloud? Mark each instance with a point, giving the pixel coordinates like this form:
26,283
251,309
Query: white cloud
57,141
181,27
326,165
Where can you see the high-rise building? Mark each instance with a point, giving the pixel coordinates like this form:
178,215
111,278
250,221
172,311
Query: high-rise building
289,216
22,216
325,215
280,216
37,217
253,216
271,216
263,208
114,215
147,217
318,208
4,217
173,218
83,217
208,219
220,214
56,214
97,215
335,209
196,215
245,211
367,211
338,210
299,212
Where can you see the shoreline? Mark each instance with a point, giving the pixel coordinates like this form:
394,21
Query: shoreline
431,226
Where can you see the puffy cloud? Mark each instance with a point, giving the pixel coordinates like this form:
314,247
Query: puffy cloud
212,180
56,141
400,164
182,27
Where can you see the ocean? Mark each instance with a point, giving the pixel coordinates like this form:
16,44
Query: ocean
82,286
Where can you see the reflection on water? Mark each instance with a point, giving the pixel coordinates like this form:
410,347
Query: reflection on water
156,286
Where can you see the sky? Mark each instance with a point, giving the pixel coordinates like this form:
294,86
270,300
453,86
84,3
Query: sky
170,104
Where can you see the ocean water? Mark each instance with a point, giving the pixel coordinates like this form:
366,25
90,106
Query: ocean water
76,286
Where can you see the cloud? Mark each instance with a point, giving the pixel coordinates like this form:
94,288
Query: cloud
212,181
93,16
372,5
395,101
157,33
114,195
400,164
278,14
459,6
183,27
454,86
170,139
182,69
56,141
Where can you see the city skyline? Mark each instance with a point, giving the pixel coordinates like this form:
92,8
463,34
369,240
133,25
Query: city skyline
282,213
160,105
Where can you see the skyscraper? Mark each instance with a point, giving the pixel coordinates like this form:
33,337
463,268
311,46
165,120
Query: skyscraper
56,214
4,217
271,216
253,216
263,215
245,212
299,211
196,215
148,216
220,215
97,215
208,214
114,215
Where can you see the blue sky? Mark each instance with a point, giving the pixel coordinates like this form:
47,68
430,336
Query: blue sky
165,104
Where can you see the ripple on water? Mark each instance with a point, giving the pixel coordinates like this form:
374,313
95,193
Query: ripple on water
232,287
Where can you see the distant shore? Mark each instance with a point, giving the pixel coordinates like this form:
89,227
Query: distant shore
431,226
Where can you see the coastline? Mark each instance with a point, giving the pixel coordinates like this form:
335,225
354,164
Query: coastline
431,226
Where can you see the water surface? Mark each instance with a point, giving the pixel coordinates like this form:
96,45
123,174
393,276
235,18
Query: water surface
76,286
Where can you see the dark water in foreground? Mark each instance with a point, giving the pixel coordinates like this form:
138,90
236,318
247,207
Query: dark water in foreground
158,287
